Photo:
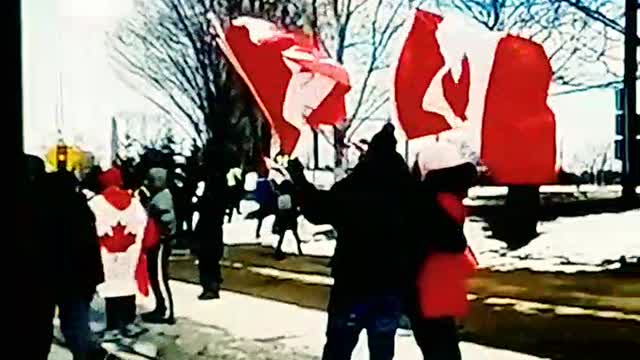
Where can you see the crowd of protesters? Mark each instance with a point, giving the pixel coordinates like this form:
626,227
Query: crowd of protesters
94,237
400,251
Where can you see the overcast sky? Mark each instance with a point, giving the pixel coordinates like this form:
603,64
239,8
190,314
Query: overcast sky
67,37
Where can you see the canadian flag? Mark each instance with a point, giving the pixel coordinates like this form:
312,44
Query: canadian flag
491,85
294,82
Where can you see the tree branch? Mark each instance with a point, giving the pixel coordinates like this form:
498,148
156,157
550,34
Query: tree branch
594,14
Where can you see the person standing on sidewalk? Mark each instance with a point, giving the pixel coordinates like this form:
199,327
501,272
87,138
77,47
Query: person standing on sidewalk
235,192
121,221
74,266
58,238
266,199
368,210
286,217
35,302
162,211
209,236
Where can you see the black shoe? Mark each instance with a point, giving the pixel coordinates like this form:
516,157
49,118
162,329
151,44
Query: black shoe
280,256
209,294
97,354
133,331
111,336
155,318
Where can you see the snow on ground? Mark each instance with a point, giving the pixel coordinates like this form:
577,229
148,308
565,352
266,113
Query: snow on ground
493,191
242,231
586,243
300,328
59,353
245,317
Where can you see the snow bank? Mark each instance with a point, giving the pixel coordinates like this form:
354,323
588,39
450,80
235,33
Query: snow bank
242,231
587,243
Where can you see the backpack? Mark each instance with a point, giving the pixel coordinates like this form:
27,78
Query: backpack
285,202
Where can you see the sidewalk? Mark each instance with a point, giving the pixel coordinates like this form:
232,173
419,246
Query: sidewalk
293,327
243,327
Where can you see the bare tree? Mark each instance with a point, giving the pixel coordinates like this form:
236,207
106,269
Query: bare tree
360,34
594,160
165,51
151,129
583,38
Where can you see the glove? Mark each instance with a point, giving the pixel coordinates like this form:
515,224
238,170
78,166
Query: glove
296,170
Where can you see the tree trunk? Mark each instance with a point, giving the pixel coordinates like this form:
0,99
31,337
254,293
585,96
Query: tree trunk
521,215
340,151
316,150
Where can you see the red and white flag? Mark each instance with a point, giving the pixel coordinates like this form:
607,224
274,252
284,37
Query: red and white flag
294,81
493,85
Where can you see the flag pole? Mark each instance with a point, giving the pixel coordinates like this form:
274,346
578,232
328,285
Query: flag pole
631,169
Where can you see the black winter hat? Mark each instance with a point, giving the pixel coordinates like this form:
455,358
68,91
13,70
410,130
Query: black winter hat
384,140
34,167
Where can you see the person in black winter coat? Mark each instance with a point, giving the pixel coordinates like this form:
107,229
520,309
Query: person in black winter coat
267,201
209,237
286,216
369,210
90,180
36,296
71,264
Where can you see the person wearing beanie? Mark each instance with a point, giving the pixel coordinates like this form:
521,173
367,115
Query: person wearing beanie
60,241
368,209
286,217
121,222
235,192
161,210
441,261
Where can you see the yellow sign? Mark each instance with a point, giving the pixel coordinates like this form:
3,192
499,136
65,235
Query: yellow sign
77,159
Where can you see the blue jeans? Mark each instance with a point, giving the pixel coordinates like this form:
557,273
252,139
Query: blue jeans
378,314
74,323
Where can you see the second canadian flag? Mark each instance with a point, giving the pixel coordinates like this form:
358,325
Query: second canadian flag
491,84
294,81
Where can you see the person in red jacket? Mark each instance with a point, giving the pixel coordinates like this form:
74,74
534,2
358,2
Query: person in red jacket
442,261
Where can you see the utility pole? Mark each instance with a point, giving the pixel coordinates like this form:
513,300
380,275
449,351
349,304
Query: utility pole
631,161
15,100
316,149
